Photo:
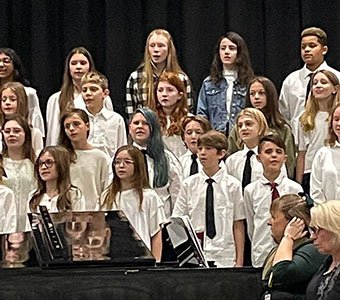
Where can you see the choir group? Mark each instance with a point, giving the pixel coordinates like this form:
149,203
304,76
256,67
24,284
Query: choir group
242,166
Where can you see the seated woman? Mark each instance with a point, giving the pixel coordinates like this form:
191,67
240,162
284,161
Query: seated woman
55,190
130,192
289,266
171,109
325,231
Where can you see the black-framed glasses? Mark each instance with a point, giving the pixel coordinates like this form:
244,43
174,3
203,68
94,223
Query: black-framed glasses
48,163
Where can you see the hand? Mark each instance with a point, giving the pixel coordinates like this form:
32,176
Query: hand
295,228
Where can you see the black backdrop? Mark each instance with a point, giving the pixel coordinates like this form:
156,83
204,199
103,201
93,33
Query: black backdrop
114,31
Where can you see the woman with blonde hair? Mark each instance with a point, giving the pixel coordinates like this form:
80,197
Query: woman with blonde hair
171,109
131,193
325,176
55,190
159,55
325,231
313,122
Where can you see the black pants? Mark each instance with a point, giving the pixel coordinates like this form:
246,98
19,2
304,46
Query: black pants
305,183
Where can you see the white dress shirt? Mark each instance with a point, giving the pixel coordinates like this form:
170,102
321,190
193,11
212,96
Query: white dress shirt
146,221
20,179
107,131
8,211
312,141
53,115
90,174
293,94
169,192
325,177
186,161
257,201
228,207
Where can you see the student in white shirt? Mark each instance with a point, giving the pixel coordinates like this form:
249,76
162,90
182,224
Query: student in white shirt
325,176
192,128
12,70
8,210
14,101
55,190
259,194
164,169
131,193
313,122
18,159
78,62
294,88
223,231
171,109
252,125
107,128
89,166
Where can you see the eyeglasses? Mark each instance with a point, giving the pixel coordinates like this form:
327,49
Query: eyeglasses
117,162
48,163
6,60
314,230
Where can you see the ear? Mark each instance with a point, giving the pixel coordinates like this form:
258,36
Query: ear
222,154
324,50
87,125
336,89
106,92
181,96
258,157
285,159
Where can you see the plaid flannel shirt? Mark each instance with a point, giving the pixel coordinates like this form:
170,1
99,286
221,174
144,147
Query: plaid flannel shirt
136,95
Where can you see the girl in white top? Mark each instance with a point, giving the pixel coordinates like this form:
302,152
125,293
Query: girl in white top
18,159
89,166
325,177
313,122
55,190
171,109
11,69
192,128
252,125
14,101
8,211
131,193
78,62
164,169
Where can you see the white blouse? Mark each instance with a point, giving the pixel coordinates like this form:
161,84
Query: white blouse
20,179
8,211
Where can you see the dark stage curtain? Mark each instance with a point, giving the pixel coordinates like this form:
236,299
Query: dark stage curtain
114,31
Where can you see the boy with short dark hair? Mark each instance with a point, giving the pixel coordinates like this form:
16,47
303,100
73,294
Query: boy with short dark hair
259,194
295,88
107,128
213,201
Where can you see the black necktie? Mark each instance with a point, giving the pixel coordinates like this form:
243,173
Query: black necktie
194,165
308,85
145,161
246,178
209,210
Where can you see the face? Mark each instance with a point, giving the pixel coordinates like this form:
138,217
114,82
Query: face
93,95
79,65
76,129
14,135
124,165
6,67
158,48
139,129
312,52
322,240
278,224
209,156
248,129
322,87
336,123
47,167
272,157
258,97
192,132
9,102
228,53
168,95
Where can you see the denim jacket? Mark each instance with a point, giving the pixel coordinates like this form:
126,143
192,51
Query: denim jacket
212,103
